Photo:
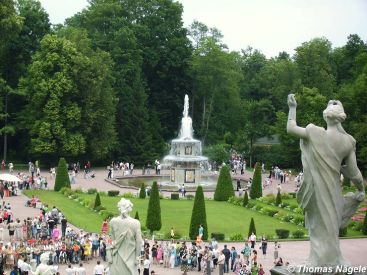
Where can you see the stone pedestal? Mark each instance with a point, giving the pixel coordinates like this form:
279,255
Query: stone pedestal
280,270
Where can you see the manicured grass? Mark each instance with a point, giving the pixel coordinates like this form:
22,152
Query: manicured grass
221,216
75,213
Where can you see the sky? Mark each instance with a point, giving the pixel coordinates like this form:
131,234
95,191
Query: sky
271,26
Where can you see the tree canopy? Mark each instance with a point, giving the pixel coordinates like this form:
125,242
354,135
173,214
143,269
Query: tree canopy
110,83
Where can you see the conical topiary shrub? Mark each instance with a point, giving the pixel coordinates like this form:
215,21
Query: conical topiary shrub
278,199
245,199
136,216
198,215
252,228
62,176
154,221
97,201
142,193
256,188
364,228
224,189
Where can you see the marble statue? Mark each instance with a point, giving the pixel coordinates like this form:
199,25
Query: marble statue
123,254
43,268
325,155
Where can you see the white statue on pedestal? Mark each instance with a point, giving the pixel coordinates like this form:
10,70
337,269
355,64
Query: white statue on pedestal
325,155
43,268
123,254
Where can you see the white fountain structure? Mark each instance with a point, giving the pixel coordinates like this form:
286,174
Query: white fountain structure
185,157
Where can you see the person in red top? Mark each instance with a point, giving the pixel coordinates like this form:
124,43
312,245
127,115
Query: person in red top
105,227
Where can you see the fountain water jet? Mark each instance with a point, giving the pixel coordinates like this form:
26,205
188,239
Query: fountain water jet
185,156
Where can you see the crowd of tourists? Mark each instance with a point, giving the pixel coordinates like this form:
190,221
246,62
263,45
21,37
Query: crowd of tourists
47,232
208,257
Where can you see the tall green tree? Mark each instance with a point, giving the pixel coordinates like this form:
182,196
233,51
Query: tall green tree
259,116
224,189
154,221
10,25
216,77
71,103
21,46
309,110
314,64
155,49
198,216
62,176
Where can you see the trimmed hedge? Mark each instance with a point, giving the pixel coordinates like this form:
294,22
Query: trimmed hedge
190,197
224,189
175,196
236,237
256,187
298,234
92,191
99,208
343,232
198,215
113,193
62,176
154,220
282,233
217,236
177,235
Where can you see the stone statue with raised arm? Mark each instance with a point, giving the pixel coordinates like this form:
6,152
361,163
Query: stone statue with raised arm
43,268
123,254
325,155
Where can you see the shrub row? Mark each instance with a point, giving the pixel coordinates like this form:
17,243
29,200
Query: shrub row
296,218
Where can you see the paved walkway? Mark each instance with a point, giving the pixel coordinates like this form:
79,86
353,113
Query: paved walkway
355,250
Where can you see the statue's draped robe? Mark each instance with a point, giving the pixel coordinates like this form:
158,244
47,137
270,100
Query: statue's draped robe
126,246
321,197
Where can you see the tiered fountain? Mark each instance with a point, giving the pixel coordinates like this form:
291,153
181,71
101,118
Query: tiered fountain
185,156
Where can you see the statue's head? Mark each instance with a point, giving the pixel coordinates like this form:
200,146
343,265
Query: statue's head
125,206
334,112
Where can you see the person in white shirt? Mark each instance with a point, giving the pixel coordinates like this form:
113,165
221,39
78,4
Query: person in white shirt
70,270
221,260
98,269
146,266
252,239
80,270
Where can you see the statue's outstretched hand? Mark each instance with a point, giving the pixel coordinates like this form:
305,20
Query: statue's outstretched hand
292,103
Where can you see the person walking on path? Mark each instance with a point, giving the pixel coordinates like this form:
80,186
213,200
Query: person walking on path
221,262
227,254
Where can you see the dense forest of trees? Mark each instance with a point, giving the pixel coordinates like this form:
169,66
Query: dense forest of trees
110,83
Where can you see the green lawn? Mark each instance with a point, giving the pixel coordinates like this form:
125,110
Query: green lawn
221,216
